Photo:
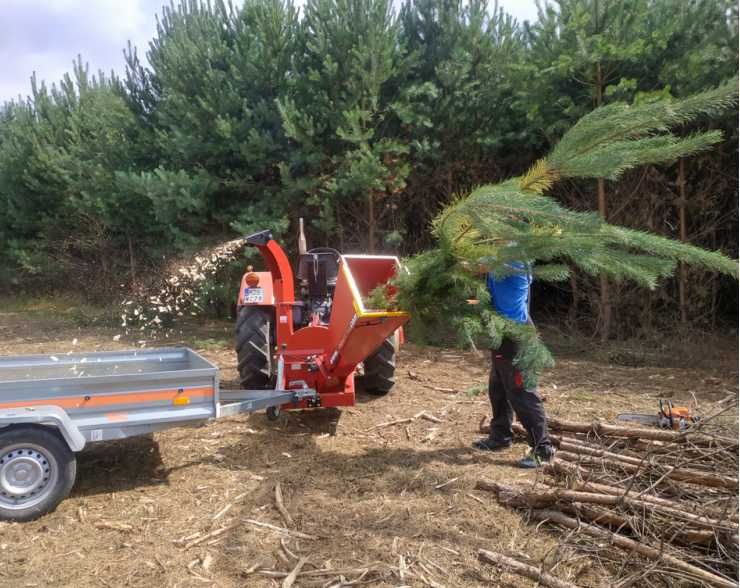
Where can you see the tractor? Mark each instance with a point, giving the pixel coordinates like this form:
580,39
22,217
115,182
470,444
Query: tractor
311,330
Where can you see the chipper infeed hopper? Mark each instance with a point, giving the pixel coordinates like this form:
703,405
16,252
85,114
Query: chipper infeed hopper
318,341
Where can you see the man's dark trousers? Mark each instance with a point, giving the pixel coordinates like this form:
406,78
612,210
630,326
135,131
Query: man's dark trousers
508,396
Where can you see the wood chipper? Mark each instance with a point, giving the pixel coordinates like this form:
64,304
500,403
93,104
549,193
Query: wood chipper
312,330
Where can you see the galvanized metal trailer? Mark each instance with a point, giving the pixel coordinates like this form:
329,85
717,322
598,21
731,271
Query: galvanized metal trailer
52,406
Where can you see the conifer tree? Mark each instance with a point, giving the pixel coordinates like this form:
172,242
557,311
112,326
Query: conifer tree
209,98
516,221
344,163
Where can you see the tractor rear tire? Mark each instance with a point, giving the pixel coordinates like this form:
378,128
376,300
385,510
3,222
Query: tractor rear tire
255,339
380,369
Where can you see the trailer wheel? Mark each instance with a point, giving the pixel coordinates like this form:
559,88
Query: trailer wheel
255,337
380,369
37,471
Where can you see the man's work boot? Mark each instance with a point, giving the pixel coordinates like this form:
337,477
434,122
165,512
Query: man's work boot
536,459
489,444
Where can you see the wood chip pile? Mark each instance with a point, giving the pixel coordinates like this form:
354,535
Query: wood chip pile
154,306
652,505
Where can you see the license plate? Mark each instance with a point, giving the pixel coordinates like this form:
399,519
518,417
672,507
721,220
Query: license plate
252,295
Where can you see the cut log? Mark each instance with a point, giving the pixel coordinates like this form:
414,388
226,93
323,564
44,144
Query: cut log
606,430
526,570
579,481
584,449
545,497
516,428
640,434
291,578
609,518
580,504
390,424
281,530
630,545
600,516
672,473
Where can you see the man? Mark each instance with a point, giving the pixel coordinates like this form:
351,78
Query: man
506,390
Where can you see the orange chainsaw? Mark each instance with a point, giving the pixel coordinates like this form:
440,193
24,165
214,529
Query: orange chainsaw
677,418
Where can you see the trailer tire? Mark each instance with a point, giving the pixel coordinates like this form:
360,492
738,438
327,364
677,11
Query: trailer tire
255,338
37,471
380,369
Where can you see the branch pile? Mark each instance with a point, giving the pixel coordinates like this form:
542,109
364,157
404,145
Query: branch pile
626,493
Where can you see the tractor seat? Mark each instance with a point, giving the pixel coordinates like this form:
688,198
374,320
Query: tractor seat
319,267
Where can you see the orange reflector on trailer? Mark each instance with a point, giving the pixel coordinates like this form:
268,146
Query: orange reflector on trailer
181,400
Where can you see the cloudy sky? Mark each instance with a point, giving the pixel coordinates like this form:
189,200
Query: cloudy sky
45,36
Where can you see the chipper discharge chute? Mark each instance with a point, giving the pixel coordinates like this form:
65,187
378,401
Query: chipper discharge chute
312,331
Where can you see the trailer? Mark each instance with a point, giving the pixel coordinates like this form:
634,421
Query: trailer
53,406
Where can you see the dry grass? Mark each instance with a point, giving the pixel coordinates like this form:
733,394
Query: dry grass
376,500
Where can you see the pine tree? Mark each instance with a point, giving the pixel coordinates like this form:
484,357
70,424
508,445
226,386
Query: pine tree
209,102
516,221
344,164
58,153
457,108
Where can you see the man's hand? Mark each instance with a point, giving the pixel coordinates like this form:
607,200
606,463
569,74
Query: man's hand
468,267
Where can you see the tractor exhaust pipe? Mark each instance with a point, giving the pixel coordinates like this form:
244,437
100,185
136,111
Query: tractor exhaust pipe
302,248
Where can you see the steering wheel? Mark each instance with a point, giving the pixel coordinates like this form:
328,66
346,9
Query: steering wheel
325,250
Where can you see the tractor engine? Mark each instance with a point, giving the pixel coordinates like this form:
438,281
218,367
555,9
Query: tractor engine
317,278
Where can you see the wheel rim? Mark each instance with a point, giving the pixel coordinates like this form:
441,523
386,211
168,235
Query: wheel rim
28,473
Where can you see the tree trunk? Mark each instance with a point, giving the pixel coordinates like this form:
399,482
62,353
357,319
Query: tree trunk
605,311
605,319
370,222
682,236
573,311
715,283
340,229
131,259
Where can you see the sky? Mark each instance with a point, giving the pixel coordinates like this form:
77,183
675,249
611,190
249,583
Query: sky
45,36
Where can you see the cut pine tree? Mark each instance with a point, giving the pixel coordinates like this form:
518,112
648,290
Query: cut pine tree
514,226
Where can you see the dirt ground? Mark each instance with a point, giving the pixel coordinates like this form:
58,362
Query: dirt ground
399,499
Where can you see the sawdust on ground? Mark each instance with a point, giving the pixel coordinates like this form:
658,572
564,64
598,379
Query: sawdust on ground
399,497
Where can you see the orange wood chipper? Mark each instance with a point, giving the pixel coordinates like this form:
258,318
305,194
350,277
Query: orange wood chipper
312,331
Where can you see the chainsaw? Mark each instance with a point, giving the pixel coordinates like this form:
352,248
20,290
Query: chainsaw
677,418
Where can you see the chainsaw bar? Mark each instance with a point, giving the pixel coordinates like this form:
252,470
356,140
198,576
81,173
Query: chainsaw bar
644,419
677,418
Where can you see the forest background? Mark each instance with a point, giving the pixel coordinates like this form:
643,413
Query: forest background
366,119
